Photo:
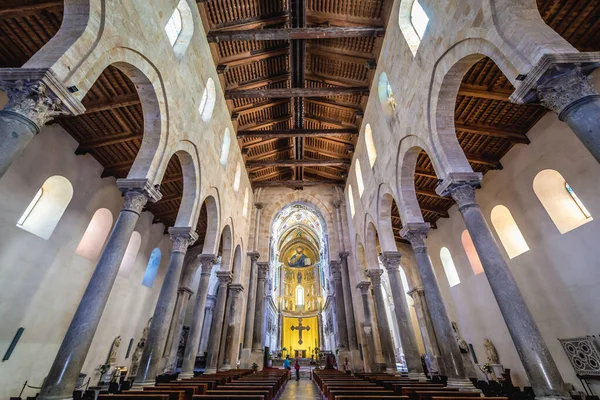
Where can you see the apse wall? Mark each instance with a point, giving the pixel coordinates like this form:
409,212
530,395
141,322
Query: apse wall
42,281
558,276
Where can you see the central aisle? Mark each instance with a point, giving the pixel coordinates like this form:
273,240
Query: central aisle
303,389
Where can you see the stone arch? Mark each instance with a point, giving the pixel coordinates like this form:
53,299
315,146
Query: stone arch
213,209
189,210
371,238
385,198
445,83
236,268
361,256
227,245
150,88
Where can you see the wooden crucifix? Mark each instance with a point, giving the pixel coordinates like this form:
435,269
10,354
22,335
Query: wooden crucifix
300,328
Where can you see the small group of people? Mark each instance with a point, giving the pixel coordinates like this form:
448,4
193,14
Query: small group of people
287,364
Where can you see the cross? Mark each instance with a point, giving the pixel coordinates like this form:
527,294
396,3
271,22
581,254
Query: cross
300,328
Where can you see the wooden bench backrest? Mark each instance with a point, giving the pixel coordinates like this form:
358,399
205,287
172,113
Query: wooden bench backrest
132,396
228,397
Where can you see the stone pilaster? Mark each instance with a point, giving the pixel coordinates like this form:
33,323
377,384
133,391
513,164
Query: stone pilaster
391,262
426,327
539,365
367,328
349,306
340,311
259,310
214,340
385,334
231,344
209,310
170,356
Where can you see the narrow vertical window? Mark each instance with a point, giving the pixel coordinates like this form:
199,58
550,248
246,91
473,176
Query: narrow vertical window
419,19
370,143
299,295
225,147
359,178
449,267
510,235
246,197
133,247
351,201
207,103
472,255
237,177
173,27
95,235
152,268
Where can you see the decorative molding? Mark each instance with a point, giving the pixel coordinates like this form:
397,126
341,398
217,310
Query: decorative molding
235,289
565,90
224,277
391,260
374,275
254,255
259,206
263,268
31,101
364,287
135,202
583,355
416,233
182,238
344,256
143,186
455,179
207,262
183,289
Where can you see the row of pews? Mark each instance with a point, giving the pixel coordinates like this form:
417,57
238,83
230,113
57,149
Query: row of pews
225,385
335,385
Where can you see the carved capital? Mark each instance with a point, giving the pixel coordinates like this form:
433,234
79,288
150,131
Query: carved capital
235,289
183,290
344,256
391,260
224,277
182,238
374,275
263,268
207,262
140,185
416,292
135,201
416,233
336,270
259,206
368,329
254,255
364,287
337,204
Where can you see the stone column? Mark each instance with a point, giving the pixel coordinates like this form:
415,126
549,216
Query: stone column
426,327
349,306
541,370
207,324
369,348
170,356
451,364
159,327
391,262
340,312
259,309
207,261
387,343
251,301
214,340
33,100
64,372
231,345
565,89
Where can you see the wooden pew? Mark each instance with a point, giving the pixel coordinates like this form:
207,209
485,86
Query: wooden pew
371,397
245,386
334,394
227,397
188,391
134,396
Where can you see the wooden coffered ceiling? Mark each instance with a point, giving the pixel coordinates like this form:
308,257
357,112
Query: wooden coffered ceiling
296,75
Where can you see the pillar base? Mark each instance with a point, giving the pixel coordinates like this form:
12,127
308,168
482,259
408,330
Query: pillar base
185,375
462,384
245,359
139,386
210,371
355,362
226,368
417,375
391,371
552,397
257,357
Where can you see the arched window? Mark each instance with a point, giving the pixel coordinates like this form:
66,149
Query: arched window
359,178
237,177
245,209
225,147
370,143
413,21
207,103
510,235
299,295
351,201
133,247
449,267
95,235
386,94
472,255
152,268
47,207
560,201
180,28
173,27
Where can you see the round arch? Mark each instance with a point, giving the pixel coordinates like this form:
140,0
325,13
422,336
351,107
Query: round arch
385,199
227,245
236,268
213,210
371,237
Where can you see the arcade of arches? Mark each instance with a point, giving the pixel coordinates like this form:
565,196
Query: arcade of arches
409,186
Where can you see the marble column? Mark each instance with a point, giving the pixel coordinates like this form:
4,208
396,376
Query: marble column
391,262
62,378
352,341
170,356
231,345
451,364
426,327
385,334
214,340
539,365
182,238
31,104
207,261
251,301
340,311
259,309
369,344
207,324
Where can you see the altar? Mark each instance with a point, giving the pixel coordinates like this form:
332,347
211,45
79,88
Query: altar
300,336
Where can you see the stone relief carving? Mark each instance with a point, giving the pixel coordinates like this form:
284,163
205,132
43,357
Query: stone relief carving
583,354
31,100
490,350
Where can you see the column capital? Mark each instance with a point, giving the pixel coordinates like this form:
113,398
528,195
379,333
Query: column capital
344,255
182,238
254,255
364,287
263,268
224,277
336,269
455,180
417,291
235,289
38,95
207,262
259,206
391,260
211,299
337,204
374,275
137,193
415,233
184,289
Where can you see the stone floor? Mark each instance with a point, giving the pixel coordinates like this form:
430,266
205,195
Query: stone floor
303,389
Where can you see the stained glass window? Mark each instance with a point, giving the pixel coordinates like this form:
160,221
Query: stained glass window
390,96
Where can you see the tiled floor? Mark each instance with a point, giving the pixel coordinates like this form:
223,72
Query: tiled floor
303,389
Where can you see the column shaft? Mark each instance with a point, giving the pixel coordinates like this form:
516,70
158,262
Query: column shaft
385,334
231,325
539,365
172,345
191,349
214,340
369,344
71,355
426,327
340,311
251,301
391,261
161,319
352,340
259,309
211,301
